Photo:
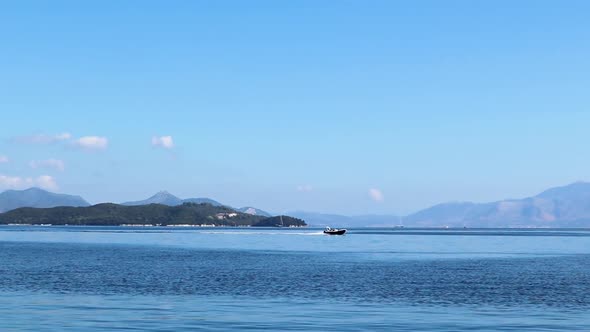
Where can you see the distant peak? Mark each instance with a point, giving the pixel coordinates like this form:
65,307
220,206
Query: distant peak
34,189
31,190
456,203
576,184
162,193
576,189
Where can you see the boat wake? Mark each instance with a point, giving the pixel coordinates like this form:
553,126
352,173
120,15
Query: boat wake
262,233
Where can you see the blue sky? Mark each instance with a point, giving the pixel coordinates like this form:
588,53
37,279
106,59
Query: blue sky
349,107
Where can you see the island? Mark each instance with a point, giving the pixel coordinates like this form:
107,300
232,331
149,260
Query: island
109,214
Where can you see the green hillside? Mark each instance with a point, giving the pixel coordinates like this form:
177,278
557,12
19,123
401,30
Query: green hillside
153,214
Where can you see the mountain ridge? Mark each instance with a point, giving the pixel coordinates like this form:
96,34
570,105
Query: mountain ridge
562,206
166,198
37,198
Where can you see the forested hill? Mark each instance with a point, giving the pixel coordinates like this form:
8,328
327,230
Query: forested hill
37,198
109,214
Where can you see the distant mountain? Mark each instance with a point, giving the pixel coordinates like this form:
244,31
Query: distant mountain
162,197
575,191
202,200
37,198
166,198
322,219
108,214
254,211
567,206
377,220
453,213
335,220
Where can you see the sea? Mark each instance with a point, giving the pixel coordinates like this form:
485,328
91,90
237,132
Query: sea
55,278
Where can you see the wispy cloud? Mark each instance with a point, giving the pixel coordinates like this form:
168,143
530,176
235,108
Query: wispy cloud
87,143
43,138
165,142
376,195
17,182
304,188
11,182
48,163
91,143
3,159
46,182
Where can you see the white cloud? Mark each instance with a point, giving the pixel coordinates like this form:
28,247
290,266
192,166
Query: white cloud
11,182
165,142
49,163
62,136
304,188
3,159
43,138
17,182
91,143
376,195
46,182
88,143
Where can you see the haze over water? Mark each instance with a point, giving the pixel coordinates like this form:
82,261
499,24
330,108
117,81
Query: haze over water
171,279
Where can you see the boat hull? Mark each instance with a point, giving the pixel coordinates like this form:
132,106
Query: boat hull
335,232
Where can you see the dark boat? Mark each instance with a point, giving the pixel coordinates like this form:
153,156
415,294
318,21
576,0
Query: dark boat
334,231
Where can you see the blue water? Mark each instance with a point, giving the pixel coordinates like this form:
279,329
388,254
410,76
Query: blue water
223,279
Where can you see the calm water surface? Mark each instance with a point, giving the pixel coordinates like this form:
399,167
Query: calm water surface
222,279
